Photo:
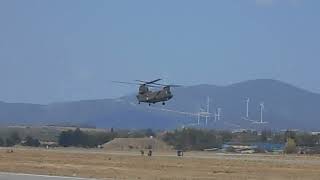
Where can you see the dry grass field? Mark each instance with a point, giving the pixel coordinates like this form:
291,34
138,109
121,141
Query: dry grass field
162,166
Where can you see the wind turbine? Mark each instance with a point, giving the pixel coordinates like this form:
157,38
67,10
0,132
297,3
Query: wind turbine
261,114
208,109
246,118
217,115
247,102
205,113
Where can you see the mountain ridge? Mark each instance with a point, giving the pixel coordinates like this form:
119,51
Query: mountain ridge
287,106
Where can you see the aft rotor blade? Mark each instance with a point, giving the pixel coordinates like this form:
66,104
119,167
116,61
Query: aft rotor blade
137,84
173,85
167,85
121,82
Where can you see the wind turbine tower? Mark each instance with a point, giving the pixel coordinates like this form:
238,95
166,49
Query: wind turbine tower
208,109
247,102
261,112
219,113
261,115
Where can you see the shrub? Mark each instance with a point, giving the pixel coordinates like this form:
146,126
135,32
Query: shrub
290,146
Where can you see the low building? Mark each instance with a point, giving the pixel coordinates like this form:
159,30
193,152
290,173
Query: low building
253,147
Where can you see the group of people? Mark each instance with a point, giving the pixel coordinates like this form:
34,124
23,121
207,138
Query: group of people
179,153
149,152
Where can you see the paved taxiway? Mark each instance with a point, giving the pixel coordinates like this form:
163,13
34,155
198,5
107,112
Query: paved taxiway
14,176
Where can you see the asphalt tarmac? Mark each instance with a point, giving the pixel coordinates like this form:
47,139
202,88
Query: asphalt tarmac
15,176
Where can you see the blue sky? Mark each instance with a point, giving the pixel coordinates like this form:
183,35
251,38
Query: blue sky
59,50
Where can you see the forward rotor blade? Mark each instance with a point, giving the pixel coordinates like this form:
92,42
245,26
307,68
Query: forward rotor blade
148,82
151,82
158,84
141,81
148,85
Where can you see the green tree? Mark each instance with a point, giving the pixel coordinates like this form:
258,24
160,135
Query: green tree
265,135
83,139
2,143
306,139
79,138
65,138
9,142
290,134
15,138
30,141
149,133
290,146
193,139
226,136
278,138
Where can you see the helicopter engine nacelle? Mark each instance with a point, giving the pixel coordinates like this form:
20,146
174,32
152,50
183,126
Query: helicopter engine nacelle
143,89
167,89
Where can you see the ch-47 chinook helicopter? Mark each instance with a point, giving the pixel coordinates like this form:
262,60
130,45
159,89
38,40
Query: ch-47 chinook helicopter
152,97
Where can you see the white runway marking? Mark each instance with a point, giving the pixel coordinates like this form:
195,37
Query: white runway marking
18,176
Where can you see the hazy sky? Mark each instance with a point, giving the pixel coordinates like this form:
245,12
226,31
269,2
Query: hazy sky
70,50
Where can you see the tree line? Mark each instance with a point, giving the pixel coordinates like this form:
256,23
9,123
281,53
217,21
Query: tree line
199,139
196,139
14,139
78,138
182,139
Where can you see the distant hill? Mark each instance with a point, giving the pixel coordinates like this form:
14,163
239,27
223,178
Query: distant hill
286,106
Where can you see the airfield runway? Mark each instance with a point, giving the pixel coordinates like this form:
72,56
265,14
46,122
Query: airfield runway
15,176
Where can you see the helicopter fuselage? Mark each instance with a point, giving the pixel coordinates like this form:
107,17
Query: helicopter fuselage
147,96
153,97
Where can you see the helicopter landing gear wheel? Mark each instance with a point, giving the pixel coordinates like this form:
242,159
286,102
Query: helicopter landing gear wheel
163,103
